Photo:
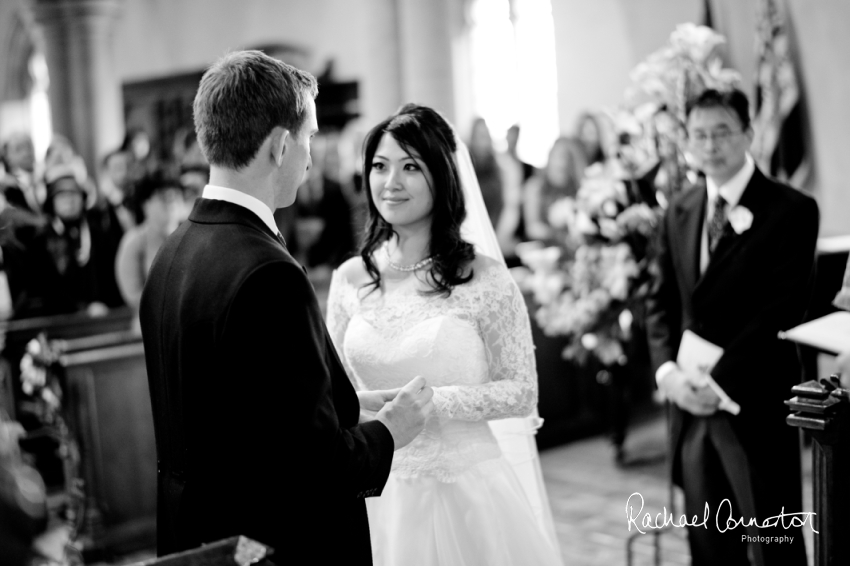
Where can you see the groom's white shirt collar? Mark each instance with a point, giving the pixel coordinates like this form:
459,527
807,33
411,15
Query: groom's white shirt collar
253,204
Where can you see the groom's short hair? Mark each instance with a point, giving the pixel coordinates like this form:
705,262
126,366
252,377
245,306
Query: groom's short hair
241,98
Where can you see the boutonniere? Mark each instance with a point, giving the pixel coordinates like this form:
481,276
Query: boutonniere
740,218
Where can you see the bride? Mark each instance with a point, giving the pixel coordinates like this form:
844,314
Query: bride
421,300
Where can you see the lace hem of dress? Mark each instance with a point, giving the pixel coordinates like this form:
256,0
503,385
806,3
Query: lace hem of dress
443,474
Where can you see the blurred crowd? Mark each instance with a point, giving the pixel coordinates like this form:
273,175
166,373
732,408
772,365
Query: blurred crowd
73,240
517,195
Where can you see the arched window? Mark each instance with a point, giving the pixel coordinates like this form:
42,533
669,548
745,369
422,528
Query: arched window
514,79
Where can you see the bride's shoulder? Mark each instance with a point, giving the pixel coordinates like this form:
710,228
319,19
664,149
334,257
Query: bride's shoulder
485,267
353,272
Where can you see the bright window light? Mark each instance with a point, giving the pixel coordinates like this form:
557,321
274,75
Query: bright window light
514,77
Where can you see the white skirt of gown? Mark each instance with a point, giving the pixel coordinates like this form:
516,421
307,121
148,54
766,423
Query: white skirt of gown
482,518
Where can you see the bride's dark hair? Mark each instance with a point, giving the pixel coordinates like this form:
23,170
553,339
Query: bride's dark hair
423,130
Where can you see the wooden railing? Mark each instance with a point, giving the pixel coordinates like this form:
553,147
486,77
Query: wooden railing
234,551
823,409
106,405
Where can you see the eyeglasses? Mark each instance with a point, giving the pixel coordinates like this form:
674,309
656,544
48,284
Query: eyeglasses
719,137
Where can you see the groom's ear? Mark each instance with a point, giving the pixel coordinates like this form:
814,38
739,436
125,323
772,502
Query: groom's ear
277,147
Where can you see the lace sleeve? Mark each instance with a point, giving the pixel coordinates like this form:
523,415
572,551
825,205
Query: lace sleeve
506,331
339,314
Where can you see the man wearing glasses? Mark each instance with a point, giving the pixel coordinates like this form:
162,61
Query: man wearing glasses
734,268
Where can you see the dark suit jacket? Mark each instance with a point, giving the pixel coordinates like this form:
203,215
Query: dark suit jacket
756,284
256,422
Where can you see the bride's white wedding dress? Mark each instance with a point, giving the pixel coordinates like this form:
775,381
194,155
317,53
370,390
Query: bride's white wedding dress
452,498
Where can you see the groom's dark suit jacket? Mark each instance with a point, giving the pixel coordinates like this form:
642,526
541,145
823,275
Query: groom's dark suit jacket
756,284
256,422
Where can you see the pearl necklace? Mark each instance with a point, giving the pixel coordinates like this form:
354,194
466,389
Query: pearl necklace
408,268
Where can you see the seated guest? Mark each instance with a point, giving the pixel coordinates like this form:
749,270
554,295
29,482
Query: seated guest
161,200
560,178
116,187
18,227
18,158
61,262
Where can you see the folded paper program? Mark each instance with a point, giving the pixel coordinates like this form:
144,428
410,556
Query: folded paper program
697,356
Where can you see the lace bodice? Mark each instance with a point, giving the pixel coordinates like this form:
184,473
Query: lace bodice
473,347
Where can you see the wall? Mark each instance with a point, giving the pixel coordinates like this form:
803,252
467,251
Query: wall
160,37
599,43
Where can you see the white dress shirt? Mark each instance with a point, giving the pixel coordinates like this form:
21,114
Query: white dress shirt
244,200
731,192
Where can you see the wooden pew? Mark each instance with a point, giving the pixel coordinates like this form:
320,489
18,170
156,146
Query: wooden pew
15,334
823,409
109,411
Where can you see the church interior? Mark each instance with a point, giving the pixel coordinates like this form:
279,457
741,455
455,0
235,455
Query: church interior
99,93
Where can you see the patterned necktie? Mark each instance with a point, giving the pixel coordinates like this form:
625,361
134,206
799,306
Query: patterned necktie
717,223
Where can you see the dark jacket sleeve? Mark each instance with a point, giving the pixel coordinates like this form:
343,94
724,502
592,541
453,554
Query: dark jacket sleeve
274,326
663,305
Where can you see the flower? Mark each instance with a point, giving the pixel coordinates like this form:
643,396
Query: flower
593,291
697,42
740,218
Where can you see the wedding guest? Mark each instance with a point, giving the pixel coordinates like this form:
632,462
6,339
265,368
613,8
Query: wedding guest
193,179
322,198
138,147
487,169
62,262
591,134
511,228
734,267
162,202
19,164
560,178
658,183
116,187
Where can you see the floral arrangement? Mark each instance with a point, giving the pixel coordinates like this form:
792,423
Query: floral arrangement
591,286
40,381
37,379
687,65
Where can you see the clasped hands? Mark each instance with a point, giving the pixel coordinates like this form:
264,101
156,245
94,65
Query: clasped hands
403,410
690,392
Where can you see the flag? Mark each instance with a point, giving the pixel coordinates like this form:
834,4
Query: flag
779,145
707,15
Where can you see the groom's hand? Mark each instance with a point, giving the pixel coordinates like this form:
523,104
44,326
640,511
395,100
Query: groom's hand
405,415
375,400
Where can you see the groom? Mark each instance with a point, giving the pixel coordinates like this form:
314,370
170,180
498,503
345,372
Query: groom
256,421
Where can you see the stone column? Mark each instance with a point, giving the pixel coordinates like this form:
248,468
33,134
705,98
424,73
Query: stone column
85,94
381,86
427,65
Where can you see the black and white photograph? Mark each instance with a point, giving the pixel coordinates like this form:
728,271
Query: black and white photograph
424,282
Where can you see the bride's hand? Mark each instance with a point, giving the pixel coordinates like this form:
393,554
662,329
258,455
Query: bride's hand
374,401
